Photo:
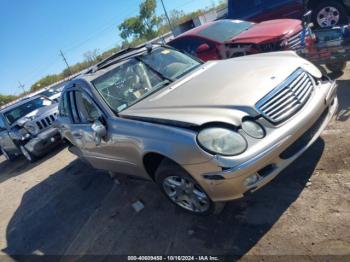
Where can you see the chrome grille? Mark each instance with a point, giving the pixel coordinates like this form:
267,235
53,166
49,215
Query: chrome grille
288,98
46,121
294,42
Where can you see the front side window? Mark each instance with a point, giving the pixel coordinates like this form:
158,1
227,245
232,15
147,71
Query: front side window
225,30
22,110
63,106
87,110
141,76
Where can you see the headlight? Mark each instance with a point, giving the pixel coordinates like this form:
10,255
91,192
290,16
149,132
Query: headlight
32,128
222,141
253,129
19,134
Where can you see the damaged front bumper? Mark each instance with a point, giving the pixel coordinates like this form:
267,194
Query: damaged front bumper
43,142
233,177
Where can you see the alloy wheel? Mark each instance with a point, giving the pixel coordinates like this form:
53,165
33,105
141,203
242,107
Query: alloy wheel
186,194
328,16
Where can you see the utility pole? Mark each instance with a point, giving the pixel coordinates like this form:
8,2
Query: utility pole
21,86
65,60
167,17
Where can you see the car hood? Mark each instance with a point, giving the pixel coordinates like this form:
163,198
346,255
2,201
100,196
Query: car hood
268,31
38,113
220,91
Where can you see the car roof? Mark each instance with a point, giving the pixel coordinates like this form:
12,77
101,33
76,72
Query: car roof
96,72
20,102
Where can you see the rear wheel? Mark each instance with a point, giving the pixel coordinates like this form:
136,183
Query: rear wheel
185,192
329,13
30,157
336,67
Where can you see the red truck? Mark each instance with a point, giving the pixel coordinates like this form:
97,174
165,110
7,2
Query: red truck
231,38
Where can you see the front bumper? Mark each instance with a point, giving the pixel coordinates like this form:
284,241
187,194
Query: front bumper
43,142
274,153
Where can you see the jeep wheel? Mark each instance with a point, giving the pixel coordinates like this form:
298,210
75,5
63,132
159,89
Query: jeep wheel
184,191
329,13
336,67
27,154
8,156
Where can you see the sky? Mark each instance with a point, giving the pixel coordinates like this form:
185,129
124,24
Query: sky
32,33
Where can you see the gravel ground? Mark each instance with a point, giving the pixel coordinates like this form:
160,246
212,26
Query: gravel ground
60,205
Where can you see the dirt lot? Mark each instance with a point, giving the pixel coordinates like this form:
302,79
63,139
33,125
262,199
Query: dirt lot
59,206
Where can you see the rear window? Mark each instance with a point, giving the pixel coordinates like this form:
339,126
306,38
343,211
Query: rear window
225,29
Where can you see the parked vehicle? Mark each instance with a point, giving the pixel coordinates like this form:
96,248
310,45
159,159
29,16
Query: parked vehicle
330,47
231,38
326,13
54,93
26,128
206,133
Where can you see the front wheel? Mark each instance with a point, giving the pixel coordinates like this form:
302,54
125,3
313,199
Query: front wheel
8,156
29,156
337,67
182,190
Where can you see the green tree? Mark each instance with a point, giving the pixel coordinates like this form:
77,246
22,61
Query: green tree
144,26
6,99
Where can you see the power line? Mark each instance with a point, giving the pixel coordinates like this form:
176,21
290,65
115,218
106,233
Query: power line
21,86
65,60
167,17
110,24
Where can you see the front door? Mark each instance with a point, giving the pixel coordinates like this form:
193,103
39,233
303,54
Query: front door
106,154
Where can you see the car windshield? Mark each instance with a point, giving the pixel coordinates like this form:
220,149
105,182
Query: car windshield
141,76
225,30
22,110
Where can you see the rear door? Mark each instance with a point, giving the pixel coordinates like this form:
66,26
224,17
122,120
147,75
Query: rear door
277,9
245,10
262,10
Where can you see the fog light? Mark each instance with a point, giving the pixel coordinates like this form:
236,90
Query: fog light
52,139
251,180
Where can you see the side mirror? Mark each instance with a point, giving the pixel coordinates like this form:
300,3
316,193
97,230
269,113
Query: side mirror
100,131
202,48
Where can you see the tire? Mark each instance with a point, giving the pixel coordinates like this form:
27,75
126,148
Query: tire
8,156
338,14
337,67
176,184
29,156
